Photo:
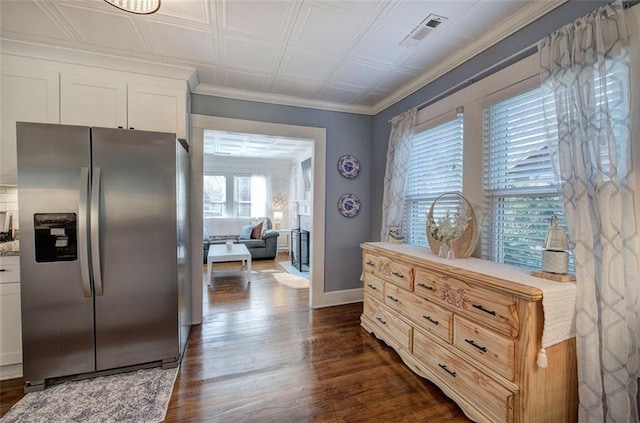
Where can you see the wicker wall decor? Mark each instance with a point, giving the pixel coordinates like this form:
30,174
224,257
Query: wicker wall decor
464,245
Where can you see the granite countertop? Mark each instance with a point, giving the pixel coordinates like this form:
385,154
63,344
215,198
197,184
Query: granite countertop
10,248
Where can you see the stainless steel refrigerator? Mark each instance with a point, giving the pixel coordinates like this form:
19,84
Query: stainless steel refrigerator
104,250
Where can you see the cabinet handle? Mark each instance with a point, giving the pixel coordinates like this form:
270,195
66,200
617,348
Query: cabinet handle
3,270
379,319
444,367
479,307
435,322
472,342
395,300
430,288
372,287
399,275
369,263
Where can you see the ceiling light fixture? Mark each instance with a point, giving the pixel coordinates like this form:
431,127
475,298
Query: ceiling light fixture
139,7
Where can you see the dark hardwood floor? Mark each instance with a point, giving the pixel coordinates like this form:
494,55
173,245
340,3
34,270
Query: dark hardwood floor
263,355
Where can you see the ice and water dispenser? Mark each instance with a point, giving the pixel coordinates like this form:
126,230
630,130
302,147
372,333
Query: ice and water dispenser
55,237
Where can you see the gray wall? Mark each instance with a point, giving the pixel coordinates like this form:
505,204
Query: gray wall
367,137
508,51
347,133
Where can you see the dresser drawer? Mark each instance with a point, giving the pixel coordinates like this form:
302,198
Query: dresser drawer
374,286
425,314
389,322
369,263
396,273
477,388
494,351
496,311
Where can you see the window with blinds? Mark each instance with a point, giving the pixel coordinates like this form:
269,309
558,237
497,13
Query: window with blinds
518,180
214,195
435,167
242,196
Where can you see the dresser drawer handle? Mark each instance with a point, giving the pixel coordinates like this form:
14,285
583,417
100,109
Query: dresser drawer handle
369,263
381,320
372,287
395,300
399,275
479,307
444,367
472,342
421,285
435,322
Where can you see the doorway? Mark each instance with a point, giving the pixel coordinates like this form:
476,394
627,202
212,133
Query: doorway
317,137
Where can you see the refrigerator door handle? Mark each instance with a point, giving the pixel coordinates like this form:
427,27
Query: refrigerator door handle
95,231
83,248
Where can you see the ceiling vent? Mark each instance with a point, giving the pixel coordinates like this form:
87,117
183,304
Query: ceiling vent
421,31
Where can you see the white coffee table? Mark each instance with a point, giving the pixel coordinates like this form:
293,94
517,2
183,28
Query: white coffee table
222,254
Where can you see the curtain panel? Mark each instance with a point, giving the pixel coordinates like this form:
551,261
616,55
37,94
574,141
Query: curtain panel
585,76
395,175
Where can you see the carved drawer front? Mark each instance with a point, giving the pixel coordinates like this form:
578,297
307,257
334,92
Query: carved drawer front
494,351
374,286
427,315
477,388
396,273
369,263
389,322
496,311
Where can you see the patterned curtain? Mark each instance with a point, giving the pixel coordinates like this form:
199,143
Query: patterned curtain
395,175
586,87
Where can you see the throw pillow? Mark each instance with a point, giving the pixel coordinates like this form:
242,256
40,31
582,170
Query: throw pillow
245,232
256,231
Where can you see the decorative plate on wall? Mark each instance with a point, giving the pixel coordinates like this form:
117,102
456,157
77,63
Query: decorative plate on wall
349,205
349,166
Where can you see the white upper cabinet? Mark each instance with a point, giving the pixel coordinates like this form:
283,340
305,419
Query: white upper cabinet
93,100
156,108
26,95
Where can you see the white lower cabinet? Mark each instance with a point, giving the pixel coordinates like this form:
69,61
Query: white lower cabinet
10,319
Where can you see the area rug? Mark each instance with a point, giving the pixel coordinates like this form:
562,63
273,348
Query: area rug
291,277
292,270
141,397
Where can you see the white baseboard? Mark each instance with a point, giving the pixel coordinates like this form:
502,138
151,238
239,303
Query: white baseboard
10,371
334,298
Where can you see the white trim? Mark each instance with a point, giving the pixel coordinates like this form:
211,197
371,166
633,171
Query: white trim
334,298
103,61
280,99
533,11
317,296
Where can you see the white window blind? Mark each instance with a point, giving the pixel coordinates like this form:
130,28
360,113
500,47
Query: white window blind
242,196
519,184
250,196
435,167
215,199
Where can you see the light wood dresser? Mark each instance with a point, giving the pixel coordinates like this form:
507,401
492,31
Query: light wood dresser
475,335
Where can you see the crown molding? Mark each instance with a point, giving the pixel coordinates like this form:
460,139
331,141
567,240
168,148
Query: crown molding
533,11
99,60
283,100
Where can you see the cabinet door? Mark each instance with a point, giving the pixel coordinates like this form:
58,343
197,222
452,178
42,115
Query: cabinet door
10,324
26,95
93,101
155,108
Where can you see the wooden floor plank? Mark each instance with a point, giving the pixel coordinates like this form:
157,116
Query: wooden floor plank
263,355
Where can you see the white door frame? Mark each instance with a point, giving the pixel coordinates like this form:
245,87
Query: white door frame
200,123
